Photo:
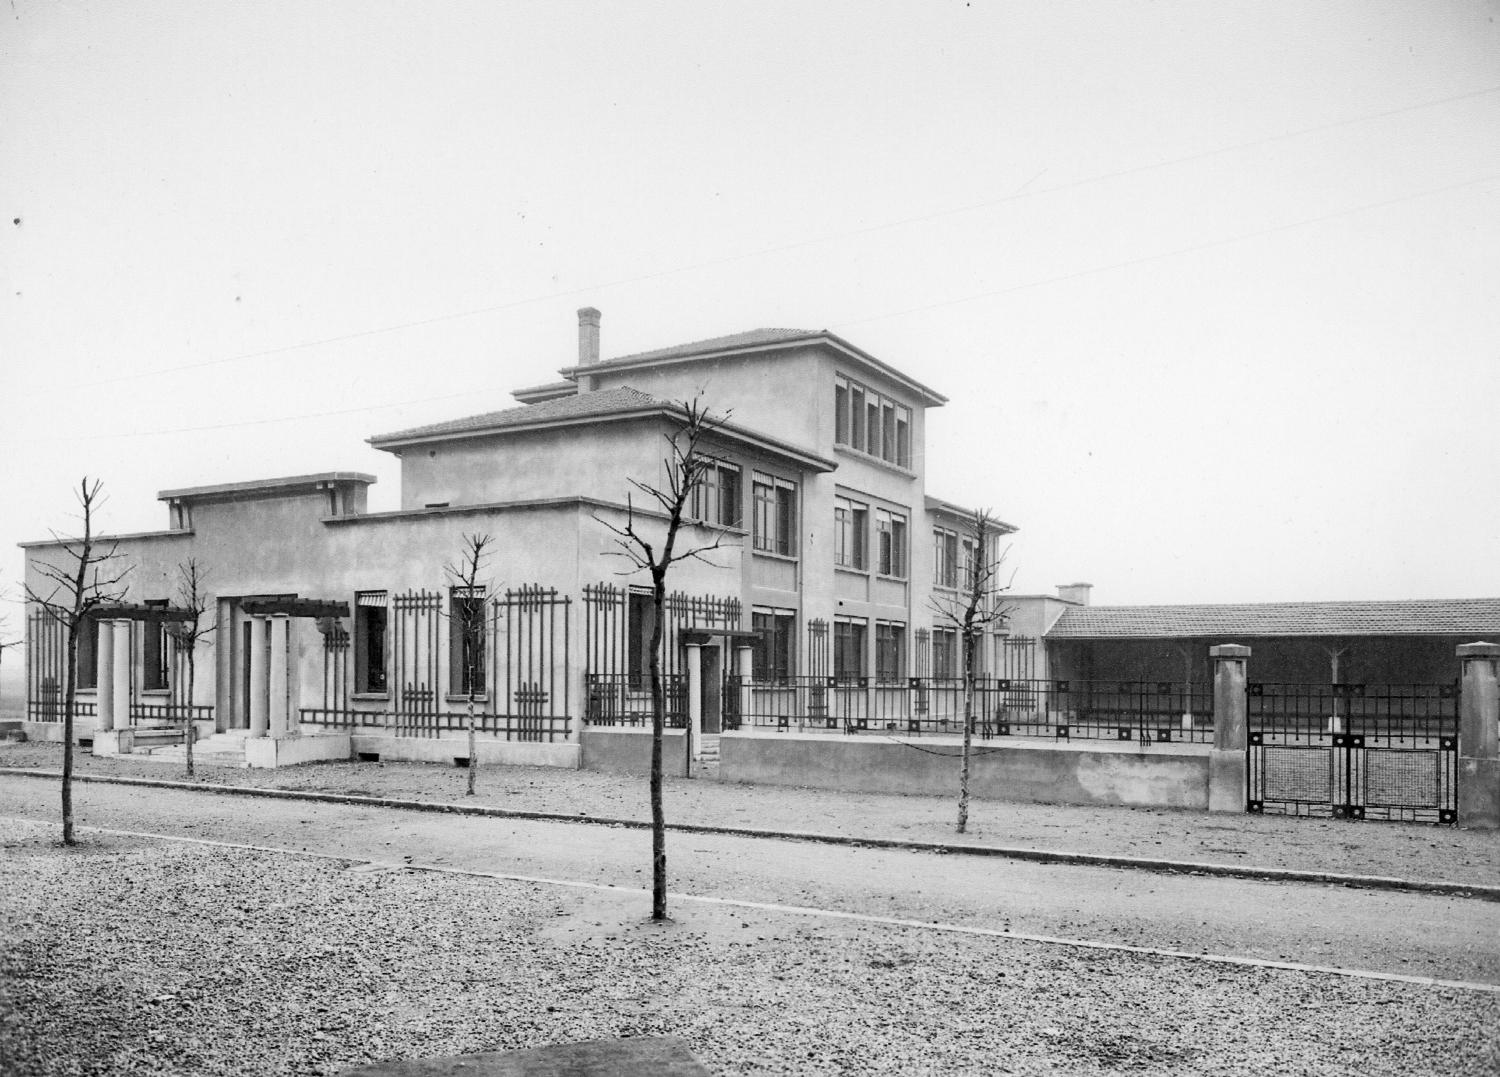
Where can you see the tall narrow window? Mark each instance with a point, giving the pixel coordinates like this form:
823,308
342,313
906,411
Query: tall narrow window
466,633
903,436
841,411
890,534
775,510
944,653
775,632
888,431
945,566
857,417
642,616
890,651
848,649
872,424
850,524
88,653
370,619
154,651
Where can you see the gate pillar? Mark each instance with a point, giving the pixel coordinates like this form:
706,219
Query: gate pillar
747,679
121,673
695,696
279,715
104,680
1226,759
1479,736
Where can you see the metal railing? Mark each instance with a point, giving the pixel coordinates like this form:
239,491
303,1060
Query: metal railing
1398,715
513,727
625,699
1155,711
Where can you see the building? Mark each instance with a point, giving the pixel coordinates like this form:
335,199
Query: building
330,618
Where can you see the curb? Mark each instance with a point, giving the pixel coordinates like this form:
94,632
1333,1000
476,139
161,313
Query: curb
1479,891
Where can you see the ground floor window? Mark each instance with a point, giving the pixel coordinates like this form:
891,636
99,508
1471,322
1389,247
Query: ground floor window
945,654
890,651
642,617
466,641
155,653
370,619
775,632
848,649
87,674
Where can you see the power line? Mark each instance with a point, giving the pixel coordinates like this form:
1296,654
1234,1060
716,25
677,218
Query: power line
1020,194
1026,286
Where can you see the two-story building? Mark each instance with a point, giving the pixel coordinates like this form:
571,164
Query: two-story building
821,589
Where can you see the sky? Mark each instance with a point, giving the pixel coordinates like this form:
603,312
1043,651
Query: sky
1212,288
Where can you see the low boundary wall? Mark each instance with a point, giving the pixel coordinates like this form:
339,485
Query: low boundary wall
627,750
1045,772
446,750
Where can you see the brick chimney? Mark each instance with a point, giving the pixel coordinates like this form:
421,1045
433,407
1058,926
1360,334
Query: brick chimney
588,336
1077,593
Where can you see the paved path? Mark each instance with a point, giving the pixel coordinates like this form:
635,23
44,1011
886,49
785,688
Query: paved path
1397,850
1414,934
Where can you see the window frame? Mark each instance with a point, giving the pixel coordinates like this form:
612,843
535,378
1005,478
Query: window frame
776,644
462,675
156,676
890,544
850,637
890,652
709,494
870,422
774,514
851,528
362,638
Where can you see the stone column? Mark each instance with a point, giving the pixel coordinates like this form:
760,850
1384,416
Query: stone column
121,674
256,638
695,695
1479,737
104,680
1226,760
747,677
279,715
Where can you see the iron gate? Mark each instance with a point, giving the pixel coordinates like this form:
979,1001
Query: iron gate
1354,751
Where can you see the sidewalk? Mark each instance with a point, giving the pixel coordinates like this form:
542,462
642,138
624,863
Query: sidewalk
1391,850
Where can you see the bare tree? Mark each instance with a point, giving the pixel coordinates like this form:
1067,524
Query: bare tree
191,599
73,591
971,608
684,468
467,578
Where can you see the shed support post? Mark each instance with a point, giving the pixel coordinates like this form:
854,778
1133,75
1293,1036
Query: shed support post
1479,737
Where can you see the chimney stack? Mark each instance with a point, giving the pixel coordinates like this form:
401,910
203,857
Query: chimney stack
588,336
1077,593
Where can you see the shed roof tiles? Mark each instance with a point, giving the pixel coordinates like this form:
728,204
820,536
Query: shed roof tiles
582,406
1440,617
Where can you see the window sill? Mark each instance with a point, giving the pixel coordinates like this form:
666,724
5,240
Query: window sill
772,556
369,697
892,579
160,693
479,697
737,530
862,572
860,454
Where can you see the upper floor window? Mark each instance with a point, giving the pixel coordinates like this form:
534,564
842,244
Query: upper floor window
716,498
775,522
890,543
870,422
944,557
850,528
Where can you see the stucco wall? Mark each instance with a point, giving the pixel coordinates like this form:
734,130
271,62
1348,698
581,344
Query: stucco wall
626,750
1041,772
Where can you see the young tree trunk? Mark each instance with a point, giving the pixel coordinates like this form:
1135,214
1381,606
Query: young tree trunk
190,734
69,686
473,750
963,771
658,724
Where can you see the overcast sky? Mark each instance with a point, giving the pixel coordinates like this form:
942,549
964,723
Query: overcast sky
1212,288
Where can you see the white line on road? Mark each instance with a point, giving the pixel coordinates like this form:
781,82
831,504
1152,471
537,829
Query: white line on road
829,914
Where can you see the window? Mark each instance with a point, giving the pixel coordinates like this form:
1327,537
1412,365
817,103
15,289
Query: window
850,526
716,498
890,651
870,422
775,631
154,651
944,558
775,515
370,619
466,641
848,650
890,540
642,617
945,653
87,675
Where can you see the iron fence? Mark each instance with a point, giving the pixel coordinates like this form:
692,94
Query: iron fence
621,699
1153,711
1403,715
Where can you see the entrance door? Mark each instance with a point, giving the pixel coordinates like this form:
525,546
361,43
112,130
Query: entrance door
712,688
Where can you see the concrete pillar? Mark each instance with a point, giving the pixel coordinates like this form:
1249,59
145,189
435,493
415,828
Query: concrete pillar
121,674
1226,759
695,694
747,677
260,683
104,680
279,715
1479,736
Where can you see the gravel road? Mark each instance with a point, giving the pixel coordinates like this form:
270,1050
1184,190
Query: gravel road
1403,851
135,956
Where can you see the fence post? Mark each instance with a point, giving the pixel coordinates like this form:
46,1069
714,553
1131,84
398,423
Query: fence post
747,680
694,731
1226,759
1479,737
104,680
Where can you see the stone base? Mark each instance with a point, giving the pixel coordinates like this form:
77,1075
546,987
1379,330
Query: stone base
492,752
114,741
1479,793
268,752
1226,780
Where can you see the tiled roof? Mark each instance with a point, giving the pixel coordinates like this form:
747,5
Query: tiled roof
584,405
1449,617
751,338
